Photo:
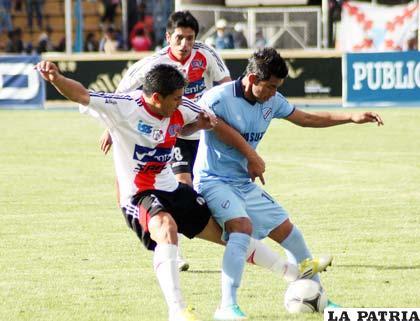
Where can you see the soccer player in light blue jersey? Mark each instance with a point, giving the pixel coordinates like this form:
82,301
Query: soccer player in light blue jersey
241,207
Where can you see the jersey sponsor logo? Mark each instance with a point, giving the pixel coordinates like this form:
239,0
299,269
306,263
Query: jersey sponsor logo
149,168
144,128
195,87
253,137
174,129
267,112
147,154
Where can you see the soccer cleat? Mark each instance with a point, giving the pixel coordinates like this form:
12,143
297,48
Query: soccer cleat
184,315
182,264
232,312
332,305
309,267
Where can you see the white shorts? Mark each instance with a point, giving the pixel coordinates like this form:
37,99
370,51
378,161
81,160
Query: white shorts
227,201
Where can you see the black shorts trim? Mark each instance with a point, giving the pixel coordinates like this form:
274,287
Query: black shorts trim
188,209
185,152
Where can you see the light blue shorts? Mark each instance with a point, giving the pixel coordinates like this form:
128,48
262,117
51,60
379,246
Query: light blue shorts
227,201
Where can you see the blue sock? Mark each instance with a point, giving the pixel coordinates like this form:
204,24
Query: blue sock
233,266
296,249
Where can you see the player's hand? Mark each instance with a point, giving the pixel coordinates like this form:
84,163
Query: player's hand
367,117
106,142
256,168
48,70
206,120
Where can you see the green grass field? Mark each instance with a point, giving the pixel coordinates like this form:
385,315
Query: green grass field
66,253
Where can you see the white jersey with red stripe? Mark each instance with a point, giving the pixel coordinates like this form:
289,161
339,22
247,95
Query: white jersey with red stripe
203,68
143,141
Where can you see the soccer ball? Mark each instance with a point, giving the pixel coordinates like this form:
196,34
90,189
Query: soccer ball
305,296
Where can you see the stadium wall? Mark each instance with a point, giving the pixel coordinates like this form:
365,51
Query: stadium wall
313,74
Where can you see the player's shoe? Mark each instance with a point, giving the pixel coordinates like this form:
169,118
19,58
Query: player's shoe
232,312
332,305
309,267
182,264
184,315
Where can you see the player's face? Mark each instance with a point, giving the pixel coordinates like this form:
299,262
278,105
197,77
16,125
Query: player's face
263,90
181,42
167,105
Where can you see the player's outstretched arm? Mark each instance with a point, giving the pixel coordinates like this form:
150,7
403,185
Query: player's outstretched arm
231,137
69,88
327,119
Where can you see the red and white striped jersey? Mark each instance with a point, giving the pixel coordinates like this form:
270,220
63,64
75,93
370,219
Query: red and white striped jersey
142,140
203,68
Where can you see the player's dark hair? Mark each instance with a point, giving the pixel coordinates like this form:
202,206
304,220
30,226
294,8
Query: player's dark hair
265,63
182,19
163,79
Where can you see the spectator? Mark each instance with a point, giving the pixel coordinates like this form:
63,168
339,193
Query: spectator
109,42
239,39
223,39
34,6
141,42
146,25
110,10
260,41
91,44
5,16
45,44
15,43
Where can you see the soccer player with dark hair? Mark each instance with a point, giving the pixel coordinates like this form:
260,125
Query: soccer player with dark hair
202,67
241,207
145,124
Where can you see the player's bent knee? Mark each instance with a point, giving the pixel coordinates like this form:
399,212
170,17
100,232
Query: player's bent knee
239,225
163,229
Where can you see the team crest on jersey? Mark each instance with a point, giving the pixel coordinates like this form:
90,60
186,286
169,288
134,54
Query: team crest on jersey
174,129
157,135
267,111
225,204
197,64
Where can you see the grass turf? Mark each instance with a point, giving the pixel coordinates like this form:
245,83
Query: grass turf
66,254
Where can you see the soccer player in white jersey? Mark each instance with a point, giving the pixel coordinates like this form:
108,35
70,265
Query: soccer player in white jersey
203,68
241,207
145,124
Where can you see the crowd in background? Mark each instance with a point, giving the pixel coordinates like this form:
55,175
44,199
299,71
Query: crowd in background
146,22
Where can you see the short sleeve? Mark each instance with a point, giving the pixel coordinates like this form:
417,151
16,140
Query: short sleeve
110,109
189,110
134,77
282,108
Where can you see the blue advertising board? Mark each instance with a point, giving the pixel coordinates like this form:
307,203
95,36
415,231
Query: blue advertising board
21,86
381,79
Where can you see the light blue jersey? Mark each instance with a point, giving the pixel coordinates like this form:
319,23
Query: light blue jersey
218,161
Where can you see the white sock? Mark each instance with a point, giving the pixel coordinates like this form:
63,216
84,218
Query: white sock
166,269
262,255
178,252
